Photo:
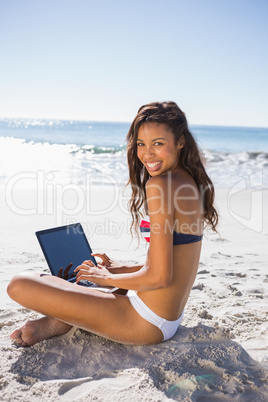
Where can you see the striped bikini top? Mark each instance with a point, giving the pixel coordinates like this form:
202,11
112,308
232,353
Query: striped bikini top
178,238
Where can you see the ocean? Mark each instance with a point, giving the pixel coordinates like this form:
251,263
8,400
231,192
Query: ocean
75,152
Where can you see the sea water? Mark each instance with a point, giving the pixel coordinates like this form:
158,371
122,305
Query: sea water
76,152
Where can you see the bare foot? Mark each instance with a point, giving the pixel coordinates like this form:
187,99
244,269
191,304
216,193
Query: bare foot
38,330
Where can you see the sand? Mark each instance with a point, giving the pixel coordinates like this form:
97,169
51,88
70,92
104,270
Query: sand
220,352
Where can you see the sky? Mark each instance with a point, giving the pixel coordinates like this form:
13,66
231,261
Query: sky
101,60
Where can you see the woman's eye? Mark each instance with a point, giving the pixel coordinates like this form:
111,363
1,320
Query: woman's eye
139,144
158,143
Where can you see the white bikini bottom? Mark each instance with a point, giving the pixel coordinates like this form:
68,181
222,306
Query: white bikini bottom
167,327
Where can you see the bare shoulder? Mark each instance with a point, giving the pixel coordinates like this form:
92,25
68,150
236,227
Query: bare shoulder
160,187
158,195
172,181
162,191
157,182
184,184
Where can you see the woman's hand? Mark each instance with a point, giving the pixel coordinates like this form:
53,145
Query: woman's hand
65,274
107,262
116,267
90,272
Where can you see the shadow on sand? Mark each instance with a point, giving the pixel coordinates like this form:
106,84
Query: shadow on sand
203,363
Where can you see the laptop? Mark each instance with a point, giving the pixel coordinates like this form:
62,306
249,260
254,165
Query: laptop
65,245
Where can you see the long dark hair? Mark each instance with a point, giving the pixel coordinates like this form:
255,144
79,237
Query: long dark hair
169,114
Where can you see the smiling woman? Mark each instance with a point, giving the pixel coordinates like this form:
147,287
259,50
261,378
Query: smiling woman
170,185
159,141
157,150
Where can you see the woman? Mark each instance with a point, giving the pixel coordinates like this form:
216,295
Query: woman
170,184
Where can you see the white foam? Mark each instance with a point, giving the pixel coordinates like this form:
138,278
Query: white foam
75,164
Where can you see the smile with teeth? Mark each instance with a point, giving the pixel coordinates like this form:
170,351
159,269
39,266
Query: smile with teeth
152,164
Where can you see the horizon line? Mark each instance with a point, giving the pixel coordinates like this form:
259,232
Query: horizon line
124,122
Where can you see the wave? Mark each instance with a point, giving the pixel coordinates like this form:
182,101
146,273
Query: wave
97,150
100,134
236,158
209,155
72,148
113,134
74,163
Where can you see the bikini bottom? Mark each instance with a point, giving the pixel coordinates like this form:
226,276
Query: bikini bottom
167,327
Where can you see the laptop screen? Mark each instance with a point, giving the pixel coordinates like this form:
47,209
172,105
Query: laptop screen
64,245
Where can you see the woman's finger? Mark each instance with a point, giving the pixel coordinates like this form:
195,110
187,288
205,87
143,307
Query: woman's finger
66,271
64,274
89,262
60,272
80,276
105,259
83,270
83,276
84,265
78,268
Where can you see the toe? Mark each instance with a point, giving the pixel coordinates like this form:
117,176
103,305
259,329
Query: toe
19,342
16,334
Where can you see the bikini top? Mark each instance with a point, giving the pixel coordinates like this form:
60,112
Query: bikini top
178,238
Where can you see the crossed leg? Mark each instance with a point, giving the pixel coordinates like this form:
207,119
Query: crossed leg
37,330
65,305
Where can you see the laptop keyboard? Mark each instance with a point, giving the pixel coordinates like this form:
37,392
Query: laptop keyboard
85,282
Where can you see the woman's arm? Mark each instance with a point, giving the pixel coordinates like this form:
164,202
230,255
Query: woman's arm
116,267
124,269
141,280
158,271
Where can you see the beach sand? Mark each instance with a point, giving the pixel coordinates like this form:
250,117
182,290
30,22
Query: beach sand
220,352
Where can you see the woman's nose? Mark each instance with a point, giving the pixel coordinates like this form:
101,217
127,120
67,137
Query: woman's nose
149,151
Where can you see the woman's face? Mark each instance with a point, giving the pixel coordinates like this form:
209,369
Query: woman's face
156,148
